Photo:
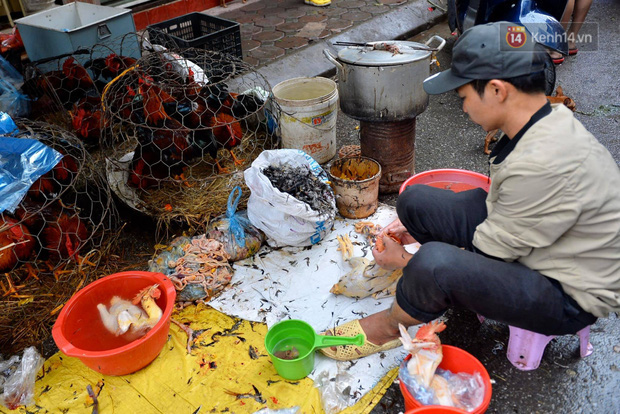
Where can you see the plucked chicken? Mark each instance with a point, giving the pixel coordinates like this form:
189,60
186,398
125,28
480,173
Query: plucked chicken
425,350
126,317
365,278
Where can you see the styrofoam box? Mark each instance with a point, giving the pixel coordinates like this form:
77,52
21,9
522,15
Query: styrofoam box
67,28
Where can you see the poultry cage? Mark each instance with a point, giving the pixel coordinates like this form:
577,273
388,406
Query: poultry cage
55,239
185,123
66,90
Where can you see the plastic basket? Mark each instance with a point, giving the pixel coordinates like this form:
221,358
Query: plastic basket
200,31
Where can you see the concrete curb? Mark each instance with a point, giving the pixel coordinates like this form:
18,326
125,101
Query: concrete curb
400,23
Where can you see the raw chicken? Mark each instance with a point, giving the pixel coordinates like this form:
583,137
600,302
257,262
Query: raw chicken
365,278
425,350
124,316
451,390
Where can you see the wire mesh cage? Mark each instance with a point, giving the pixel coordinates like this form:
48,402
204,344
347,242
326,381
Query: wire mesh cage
57,240
66,90
185,124
62,220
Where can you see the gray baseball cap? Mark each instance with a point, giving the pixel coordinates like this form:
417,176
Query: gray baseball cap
497,50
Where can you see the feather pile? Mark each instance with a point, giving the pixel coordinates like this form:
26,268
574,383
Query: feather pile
300,183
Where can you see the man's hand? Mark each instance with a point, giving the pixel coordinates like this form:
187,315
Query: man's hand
394,256
397,229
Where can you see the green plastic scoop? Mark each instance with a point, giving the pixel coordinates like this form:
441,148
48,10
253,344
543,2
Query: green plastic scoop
291,345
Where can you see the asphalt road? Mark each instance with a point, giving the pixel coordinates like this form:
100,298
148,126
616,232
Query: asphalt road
446,138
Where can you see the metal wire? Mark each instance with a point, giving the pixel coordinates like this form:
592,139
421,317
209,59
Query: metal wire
66,212
178,120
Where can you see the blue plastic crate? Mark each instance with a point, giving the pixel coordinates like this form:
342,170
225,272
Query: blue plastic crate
74,26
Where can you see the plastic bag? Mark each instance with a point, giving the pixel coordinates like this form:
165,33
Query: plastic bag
22,162
12,101
335,392
7,126
11,41
234,230
183,67
468,389
17,379
285,220
465,391
292,410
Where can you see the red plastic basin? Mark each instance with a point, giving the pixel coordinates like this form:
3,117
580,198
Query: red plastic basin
455,360
449,179
435,409
79,331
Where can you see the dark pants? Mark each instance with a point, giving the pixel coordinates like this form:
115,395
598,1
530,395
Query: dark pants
442,275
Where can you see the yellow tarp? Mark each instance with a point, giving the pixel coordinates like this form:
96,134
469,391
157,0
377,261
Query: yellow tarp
228,358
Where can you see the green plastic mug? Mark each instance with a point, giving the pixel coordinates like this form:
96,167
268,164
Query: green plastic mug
295,342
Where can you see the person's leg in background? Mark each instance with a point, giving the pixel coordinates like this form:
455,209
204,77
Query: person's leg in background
565,21
580,11
572,20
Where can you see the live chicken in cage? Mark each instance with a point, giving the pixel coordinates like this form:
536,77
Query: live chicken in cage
181,120
67,90
63,216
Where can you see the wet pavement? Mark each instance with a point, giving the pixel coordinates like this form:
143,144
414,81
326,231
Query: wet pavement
446,138
273,29
286,38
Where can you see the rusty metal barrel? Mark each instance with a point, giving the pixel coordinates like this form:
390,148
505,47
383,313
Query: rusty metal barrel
392,144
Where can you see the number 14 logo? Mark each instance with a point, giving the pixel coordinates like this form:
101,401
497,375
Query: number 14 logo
516,36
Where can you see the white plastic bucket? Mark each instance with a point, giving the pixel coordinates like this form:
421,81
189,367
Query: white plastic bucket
309,107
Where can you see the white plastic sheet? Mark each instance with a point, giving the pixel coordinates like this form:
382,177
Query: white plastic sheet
294,283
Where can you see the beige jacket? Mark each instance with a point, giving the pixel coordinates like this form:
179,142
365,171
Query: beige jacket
554,206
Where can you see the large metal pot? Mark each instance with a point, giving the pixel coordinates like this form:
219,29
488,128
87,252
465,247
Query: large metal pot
381,85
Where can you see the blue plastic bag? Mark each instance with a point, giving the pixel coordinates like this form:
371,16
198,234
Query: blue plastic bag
234,230
237,222
22,162
12,101
7,126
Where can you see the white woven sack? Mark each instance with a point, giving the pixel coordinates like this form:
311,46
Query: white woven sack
285,220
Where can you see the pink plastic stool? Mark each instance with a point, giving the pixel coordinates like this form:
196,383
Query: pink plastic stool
525,348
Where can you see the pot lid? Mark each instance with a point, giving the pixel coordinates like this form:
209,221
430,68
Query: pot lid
384,53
